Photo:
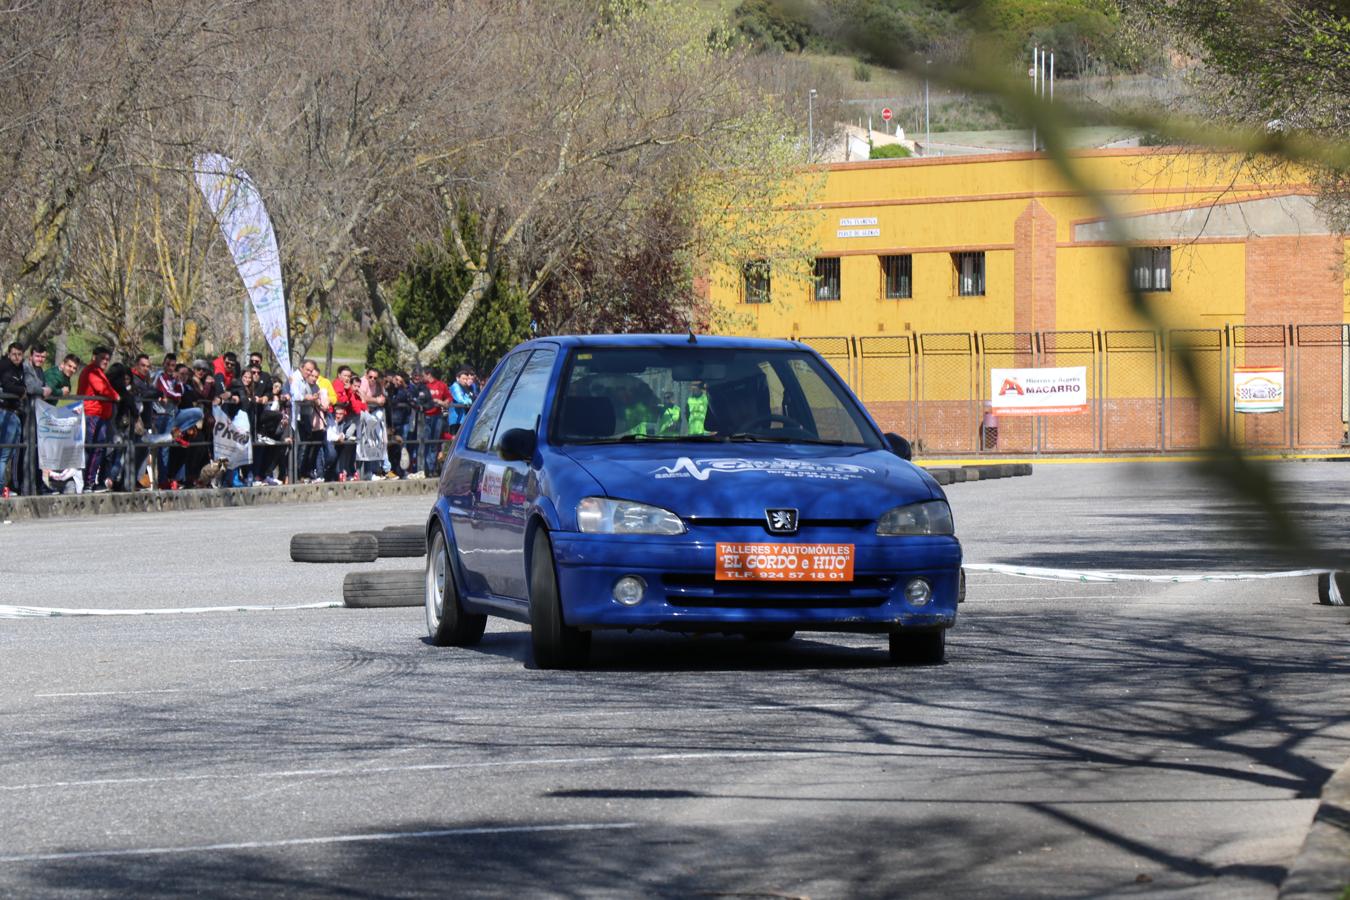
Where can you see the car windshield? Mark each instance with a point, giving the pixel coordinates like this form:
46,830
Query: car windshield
693,393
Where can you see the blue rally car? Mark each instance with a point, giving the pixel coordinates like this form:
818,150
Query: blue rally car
689,484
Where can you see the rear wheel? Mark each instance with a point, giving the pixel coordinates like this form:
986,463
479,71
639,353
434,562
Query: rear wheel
918,648
556,644
447,622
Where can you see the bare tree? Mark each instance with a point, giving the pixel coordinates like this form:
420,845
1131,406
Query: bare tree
580,121
82,81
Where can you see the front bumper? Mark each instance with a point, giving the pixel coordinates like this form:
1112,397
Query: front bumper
682,593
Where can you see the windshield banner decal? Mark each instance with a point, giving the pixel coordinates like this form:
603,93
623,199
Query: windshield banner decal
702,469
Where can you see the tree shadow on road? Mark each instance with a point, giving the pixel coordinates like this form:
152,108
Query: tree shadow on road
1050,721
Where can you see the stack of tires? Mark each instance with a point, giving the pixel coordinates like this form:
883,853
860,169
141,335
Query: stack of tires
374,588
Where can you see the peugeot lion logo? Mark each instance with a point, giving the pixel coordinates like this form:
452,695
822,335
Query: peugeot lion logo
781,521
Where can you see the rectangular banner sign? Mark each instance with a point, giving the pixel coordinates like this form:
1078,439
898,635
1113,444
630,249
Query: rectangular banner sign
230,439
1258,389
60,436
784,562
1039,392
371,439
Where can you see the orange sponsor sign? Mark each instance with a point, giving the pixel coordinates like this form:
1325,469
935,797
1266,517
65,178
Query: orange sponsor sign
784,562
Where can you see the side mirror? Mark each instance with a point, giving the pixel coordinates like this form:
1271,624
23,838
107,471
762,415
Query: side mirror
517,444
899,446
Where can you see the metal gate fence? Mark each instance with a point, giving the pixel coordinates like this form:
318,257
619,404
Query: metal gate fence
1142,396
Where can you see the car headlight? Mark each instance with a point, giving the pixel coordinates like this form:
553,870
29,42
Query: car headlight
602,515
929,517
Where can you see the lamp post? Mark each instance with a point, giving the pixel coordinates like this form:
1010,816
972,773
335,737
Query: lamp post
810,123
927,135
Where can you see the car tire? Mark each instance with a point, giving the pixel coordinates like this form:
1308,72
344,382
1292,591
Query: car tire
771,635
556,644
448,624
961,586
378,590
918,648
334,548
395,544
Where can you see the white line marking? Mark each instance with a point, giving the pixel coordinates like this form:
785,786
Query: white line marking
982,600
417,767
1093,575
48,612
331,839
112,693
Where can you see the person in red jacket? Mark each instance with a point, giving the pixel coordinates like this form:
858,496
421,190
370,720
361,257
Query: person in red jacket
98,416
347,391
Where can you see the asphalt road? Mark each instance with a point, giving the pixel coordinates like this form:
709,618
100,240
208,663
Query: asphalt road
1082,740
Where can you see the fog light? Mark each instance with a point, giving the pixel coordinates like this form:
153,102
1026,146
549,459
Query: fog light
918,592
629,589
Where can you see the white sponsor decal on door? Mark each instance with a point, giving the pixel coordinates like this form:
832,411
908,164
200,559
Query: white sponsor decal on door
490,487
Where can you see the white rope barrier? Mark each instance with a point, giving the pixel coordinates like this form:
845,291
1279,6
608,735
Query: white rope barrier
1097,576
46,612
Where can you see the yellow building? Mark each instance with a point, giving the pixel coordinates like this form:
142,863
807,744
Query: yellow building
931,272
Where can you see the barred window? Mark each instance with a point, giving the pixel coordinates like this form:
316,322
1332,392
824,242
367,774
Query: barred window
969,273
1151,268
899,276
827,278
755,281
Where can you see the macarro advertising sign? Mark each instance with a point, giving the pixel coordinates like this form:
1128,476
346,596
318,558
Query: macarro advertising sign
1258,389
1039,392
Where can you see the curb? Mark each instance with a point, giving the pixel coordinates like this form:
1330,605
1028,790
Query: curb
18,509
960,474
1322,868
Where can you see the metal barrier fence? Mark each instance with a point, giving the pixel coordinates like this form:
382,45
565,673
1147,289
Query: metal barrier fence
935,388
300,451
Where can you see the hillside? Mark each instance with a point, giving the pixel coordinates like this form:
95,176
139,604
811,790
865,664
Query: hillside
1093,37
856,48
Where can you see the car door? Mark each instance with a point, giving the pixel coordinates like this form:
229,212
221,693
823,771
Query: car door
463,482
509,489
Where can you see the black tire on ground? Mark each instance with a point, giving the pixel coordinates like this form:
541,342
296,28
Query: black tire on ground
918,648
376,590
334,548
556,644
1324,588
770,635
961,587
394,544
447,622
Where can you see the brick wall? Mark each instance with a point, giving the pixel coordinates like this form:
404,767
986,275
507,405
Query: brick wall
1034,271
1296,280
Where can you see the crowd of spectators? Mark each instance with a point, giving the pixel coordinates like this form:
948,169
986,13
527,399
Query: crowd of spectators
150,426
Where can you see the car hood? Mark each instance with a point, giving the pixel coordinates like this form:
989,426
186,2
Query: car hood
741,480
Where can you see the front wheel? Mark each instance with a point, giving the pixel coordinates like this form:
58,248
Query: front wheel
556,644
447,622
918,648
